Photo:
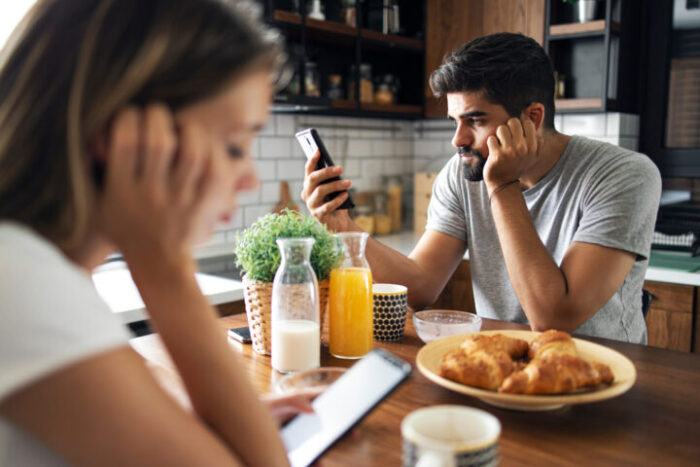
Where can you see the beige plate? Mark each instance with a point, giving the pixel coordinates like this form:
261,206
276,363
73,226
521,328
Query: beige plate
429,358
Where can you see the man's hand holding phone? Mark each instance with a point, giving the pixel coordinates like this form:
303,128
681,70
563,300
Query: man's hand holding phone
316,194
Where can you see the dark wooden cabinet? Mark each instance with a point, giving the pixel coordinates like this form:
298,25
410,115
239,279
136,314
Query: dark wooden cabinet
670,316
458,294
450,23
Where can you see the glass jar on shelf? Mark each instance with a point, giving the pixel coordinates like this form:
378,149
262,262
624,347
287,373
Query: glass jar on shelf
394,189
382,220
366,86
315,10
363,216
348,13
295,335
335,86
312,80
383,95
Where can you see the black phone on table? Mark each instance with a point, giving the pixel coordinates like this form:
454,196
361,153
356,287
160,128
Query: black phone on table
310,142
240,334
340,407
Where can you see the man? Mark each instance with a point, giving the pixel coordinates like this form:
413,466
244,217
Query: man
558,227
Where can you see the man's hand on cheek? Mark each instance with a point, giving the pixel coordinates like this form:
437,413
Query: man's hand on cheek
513,150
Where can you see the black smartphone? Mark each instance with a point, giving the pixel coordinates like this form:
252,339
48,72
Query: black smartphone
240,334
310,142
340,407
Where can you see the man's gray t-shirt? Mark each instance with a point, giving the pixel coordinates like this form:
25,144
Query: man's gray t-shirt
596,193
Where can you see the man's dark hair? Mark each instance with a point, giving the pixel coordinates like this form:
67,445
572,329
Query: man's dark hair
513,71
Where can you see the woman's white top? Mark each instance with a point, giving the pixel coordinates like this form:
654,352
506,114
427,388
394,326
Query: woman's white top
50,317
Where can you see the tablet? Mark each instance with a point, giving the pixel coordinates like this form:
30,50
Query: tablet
340,407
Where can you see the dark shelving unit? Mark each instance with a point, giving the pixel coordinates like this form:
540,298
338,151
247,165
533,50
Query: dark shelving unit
665,44
599,58
337,47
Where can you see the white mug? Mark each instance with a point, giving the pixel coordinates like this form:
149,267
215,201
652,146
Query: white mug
450,435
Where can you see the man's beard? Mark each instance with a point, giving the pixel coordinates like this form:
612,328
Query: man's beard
474,171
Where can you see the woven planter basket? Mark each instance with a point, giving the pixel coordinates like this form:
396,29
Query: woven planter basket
257,296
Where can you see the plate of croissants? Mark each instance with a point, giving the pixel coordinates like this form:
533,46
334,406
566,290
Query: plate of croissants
527,370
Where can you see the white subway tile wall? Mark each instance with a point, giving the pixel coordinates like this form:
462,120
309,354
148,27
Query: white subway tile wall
368,150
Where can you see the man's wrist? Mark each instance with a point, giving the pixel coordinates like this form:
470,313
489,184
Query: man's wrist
493,192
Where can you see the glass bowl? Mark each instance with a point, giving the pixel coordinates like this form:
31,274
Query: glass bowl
434,324
317,378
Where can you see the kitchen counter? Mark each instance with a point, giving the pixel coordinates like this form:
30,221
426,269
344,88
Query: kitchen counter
665,266
114,284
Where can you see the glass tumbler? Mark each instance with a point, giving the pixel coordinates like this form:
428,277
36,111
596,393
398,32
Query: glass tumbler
296,337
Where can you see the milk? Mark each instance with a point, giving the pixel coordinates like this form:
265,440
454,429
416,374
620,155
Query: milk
296,345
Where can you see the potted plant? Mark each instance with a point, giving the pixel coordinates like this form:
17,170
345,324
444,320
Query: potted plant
258,256
584,10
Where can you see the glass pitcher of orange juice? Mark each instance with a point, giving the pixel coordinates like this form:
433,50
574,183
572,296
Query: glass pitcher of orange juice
350,299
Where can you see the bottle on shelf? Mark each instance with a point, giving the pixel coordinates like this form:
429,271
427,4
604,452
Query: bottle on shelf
382,219
312,80
394,189
386,90
348,13
366,86
315,11
335,86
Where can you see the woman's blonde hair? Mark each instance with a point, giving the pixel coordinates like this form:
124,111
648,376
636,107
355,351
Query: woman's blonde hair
72,64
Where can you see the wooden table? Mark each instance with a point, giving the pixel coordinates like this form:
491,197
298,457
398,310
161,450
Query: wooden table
656,423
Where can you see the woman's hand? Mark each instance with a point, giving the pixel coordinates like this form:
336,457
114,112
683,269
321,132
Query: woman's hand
160,183
285,406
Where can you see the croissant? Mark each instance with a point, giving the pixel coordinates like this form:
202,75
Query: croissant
556,373
495,343
552,342
479,368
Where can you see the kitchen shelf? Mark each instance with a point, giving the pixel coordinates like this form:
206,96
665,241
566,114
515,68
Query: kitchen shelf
340,29
392,40
338,48
372,107
286,17
590,28
598,60
343,104
393,108
330,27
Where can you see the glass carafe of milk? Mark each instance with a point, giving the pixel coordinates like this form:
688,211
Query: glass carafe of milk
296,336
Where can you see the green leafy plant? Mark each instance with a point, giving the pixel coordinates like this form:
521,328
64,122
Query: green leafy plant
258,255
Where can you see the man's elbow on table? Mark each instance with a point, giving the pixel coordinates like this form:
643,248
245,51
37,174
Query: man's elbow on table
417,300
558,317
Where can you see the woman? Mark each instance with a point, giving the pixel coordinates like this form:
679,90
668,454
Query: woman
124,125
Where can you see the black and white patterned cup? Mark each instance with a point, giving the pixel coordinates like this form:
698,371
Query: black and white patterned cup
450,435
389,311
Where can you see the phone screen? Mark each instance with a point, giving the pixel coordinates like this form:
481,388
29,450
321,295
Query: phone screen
343,405
310,141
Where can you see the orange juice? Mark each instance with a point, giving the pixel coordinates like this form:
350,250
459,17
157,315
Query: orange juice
350,312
